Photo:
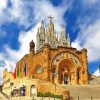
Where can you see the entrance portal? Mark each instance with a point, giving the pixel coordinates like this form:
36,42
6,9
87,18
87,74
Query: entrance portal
65,71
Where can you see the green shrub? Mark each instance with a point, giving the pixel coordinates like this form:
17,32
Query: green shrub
58,96
39,94
49,94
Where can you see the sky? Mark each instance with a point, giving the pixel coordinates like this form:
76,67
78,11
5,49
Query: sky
19,20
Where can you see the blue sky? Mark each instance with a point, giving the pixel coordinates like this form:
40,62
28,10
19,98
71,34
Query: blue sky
19,20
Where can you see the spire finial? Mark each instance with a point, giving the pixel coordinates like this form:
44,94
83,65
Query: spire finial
57,36
42,23
63,26
68,35
50,17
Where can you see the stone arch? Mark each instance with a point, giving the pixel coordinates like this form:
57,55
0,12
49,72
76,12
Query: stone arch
33,90
68,52
72,62
63,52
65,69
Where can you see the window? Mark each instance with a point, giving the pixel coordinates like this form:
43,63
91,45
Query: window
39,70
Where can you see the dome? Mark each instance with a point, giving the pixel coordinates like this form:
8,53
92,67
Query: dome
32,44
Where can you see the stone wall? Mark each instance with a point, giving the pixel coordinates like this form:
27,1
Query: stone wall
45,86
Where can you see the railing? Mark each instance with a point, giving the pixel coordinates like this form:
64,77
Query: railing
80,98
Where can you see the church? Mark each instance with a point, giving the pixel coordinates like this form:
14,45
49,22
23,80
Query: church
54,61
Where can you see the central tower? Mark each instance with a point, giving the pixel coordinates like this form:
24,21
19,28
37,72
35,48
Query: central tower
48,35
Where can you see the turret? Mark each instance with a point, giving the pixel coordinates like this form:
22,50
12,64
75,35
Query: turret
42,23
65,42
42,28
32,48
41,36
68,40
63,33
46,36
37,40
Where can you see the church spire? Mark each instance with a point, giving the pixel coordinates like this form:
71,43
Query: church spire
42,28
63,31
68,39
32,48
51,26
50,17
48,35
42,23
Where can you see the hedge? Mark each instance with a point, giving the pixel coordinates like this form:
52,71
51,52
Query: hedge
49,94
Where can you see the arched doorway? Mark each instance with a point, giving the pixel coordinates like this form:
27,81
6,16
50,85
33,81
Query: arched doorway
33,91
66,71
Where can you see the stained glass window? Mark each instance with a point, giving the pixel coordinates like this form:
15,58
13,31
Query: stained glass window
39,70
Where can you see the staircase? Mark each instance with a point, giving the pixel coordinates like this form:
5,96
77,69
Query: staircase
85,92
95,81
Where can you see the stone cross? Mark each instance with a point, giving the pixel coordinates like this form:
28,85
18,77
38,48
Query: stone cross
50,17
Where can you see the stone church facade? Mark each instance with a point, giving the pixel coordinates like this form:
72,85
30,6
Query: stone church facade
54,60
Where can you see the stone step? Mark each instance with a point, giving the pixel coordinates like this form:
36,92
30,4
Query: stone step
30,98
84,92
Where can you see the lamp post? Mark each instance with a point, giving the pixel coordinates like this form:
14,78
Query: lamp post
11,84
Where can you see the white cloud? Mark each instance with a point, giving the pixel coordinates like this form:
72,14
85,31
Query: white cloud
11,57
20,13
17,12
42,9
46,9
97,72
89,2
89,38
3,4
25,37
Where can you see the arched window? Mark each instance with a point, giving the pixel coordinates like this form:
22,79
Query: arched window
39,70
33,90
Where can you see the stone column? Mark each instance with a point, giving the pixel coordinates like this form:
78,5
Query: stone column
69,79
76,78
56,79
63,78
